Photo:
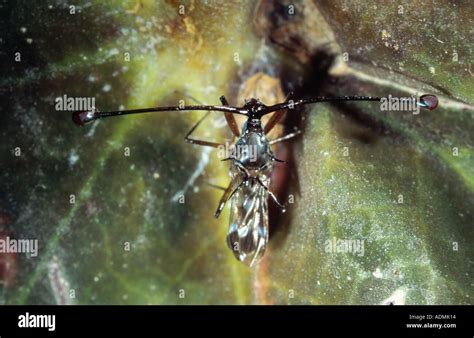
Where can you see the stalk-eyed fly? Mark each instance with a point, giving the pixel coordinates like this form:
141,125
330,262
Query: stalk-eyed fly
249,188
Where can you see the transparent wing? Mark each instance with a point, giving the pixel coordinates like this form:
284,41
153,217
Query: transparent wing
248,229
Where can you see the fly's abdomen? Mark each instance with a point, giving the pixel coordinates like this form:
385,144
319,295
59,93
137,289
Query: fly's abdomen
248,229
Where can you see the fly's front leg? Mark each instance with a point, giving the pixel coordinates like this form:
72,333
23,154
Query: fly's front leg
229,117
230,122
201,142
277,116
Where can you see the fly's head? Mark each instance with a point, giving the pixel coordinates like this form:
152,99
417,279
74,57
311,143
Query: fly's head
254,108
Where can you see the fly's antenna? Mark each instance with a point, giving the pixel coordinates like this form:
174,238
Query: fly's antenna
84,117
427,101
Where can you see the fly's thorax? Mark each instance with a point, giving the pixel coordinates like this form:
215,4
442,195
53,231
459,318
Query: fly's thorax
252,148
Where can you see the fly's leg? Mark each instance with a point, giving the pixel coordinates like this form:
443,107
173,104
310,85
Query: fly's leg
286,137
272,195
273,158
281,206
281,139
276,117
201,142
273,122
223,200
230,122
228,193
229,117
218,187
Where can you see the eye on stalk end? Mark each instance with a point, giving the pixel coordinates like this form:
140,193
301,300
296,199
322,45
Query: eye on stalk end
84,117
428,101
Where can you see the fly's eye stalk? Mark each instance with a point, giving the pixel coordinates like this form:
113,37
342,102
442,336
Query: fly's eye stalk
428,101
84,117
